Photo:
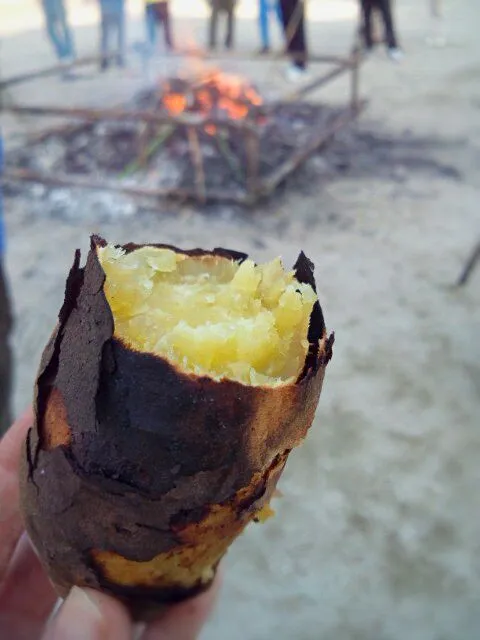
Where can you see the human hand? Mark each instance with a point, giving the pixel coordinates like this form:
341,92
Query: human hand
27,597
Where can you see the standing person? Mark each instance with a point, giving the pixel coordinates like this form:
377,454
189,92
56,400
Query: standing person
217,7
293,20
385,9
112,15
5,327
265,7
156,14
58,30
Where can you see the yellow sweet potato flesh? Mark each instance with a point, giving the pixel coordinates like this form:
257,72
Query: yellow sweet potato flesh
210,315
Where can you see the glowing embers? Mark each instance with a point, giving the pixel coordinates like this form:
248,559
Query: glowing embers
212,94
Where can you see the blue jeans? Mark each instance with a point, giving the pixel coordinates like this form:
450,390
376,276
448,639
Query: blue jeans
265,7
156,15
58,29
113,22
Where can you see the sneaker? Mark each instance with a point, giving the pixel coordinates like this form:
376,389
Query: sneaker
295,74
395,54
264,51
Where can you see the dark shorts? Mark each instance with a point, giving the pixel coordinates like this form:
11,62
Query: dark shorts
6,364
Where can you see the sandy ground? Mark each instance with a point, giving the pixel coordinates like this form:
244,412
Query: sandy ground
377,536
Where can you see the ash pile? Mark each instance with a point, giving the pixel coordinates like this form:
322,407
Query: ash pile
215,135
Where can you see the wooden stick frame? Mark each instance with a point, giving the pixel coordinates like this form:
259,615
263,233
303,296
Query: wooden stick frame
56,69
255,186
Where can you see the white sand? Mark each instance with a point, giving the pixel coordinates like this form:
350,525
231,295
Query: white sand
377,536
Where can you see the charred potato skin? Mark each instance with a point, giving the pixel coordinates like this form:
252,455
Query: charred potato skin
130,460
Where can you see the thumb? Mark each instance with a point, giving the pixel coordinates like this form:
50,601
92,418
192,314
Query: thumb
87,614
185,621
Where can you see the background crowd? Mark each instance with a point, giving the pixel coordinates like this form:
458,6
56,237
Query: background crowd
291,15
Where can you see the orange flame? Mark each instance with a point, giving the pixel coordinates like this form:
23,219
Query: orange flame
212,93
175,103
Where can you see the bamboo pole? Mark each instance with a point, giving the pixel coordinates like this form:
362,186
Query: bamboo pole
318,82
50,71
223,145
147,150
355,80
59,130
197,161
251,56
252,149
37,137
59,180
92,115
142,141
296,159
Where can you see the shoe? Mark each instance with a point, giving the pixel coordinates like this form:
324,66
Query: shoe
395,54
293,73
264,50
104,64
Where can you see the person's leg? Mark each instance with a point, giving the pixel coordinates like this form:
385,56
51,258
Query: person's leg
6,364
121,37
67,37
293,19
151,24
230,26
104,38
386,11
367,8
52,27
165,19
278,10
212,38
263,10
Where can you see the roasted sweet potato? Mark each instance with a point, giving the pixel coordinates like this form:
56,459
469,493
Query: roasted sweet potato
167,401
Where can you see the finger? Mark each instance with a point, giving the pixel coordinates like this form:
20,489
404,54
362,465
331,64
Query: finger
27,596
87,614
185,621
11,525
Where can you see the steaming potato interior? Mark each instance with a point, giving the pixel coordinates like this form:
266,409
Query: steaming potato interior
210,315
